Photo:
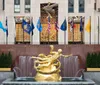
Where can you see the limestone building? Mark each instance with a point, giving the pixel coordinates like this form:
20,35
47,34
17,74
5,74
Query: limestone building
16,10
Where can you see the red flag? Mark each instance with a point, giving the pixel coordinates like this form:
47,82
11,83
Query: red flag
56,26
71,25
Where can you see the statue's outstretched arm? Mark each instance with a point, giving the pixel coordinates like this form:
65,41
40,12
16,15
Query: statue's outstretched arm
42,59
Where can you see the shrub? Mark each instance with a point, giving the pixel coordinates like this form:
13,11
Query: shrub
93,60
5,60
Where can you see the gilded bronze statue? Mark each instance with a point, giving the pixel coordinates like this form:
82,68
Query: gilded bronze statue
48,66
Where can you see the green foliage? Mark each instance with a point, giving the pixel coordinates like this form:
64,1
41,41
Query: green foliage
93,60
5,60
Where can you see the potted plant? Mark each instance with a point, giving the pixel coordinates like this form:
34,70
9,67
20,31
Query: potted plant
93,62
5,61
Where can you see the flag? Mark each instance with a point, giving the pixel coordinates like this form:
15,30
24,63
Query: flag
49,25
88,26
39,26
2,27
27,27
64,25
6,26
56,26
71,25
81,25
24,23
32,26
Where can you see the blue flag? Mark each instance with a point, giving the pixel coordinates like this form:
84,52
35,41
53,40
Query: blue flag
64,26
32,25
39,26
1,27
29,27
24,23
81,25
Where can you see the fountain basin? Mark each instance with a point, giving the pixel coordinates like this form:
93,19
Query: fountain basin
64,79
32,81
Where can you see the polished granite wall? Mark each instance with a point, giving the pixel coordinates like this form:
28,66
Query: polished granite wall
29,50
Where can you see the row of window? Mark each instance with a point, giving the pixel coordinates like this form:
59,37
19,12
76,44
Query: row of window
28,6
17,6
81,4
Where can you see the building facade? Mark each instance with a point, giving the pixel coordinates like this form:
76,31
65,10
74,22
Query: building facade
66,9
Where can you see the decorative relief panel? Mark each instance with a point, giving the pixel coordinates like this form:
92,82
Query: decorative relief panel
52,11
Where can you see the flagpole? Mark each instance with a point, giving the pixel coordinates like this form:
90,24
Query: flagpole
73,35
6,30
6,39
57,29
98,29
90,29
81,37
65,35
82,32
48,32
31,37
48,38
48,27
31,20
23,35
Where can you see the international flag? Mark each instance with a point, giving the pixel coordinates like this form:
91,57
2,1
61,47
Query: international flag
6,26
49,25
64,26
24,23
39,26
32,26
2,27
81,25
88,26
27,27
56,26
71,25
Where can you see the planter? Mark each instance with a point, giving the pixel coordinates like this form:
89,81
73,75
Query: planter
93,69
5,69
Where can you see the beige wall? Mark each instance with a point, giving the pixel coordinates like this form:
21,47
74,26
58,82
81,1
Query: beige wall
62,13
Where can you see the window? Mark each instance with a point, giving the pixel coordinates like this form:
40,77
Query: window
3,5
75,33
27,6
70,6
16,6
81,5
21,35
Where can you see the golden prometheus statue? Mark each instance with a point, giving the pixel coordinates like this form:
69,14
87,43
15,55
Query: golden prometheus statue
48,66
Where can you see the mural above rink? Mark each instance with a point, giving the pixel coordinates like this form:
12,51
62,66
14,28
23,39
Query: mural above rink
49,17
